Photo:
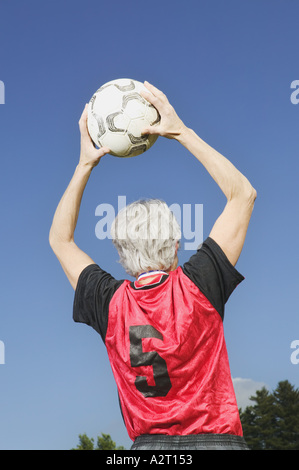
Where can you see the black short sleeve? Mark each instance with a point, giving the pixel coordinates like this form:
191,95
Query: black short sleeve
95,289
213,274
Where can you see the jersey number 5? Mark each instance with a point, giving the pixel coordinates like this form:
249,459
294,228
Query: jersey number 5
140,358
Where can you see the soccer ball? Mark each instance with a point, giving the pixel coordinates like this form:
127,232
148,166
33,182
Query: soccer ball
117,114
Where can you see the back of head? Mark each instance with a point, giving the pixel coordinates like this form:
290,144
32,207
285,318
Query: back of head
145,234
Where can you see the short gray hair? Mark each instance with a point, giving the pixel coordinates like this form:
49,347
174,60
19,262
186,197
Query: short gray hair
145,234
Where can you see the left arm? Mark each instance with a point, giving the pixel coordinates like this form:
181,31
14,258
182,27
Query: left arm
72,259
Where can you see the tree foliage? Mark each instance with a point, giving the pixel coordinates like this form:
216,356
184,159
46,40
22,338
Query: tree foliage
104,442
272,423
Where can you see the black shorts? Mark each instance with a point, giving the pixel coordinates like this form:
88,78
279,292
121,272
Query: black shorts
190,442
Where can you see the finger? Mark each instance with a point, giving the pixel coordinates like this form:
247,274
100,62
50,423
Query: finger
150,130
155,91
103,151
154,100
99,154
83,121
149,96
145,131
84,113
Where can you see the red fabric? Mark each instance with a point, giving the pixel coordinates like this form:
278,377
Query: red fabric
201,398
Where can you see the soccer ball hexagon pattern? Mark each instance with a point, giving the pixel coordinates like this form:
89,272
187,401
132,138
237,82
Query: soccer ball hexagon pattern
117,114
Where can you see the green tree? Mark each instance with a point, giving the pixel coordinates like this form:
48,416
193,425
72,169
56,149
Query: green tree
85,443
272,423
287,417
104,442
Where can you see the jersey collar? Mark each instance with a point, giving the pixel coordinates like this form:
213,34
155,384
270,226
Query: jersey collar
158,278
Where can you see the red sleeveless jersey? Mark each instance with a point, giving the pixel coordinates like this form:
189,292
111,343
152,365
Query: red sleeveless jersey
166,344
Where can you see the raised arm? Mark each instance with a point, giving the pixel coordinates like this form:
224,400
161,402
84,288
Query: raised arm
230,228
72,259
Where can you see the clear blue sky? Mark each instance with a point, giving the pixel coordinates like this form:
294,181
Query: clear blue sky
227,68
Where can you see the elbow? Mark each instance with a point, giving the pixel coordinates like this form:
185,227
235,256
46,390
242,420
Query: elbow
243,193
248,198
55,241
52,240
58,243
51,237
247,192
252,195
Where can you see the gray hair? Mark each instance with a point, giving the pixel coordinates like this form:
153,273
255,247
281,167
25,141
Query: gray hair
145,234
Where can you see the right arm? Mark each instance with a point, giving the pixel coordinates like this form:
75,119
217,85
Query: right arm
230,228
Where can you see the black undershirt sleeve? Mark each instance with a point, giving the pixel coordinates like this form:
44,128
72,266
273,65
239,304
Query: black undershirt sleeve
94,291
213,274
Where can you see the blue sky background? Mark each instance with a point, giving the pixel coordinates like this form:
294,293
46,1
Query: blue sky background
227,68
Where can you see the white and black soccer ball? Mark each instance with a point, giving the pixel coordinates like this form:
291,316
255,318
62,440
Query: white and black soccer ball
117,114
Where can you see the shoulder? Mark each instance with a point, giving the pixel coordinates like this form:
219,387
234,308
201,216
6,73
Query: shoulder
93,294
211,271
93,275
